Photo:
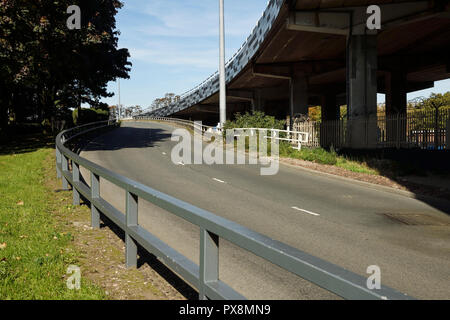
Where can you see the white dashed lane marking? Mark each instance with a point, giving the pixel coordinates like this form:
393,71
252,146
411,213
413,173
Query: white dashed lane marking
306,211
218,180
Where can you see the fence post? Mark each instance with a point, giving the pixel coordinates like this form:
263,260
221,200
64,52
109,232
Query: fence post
95,194
397,126
209,260
436,129
132,221
447,134
58,162
65,168
76,179
417,138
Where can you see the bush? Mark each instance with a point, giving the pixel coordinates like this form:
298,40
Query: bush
256,119
89,115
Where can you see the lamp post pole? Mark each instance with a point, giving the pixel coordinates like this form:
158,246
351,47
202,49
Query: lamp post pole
223,95
120,106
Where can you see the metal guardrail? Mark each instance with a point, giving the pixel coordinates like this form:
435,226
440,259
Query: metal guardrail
294,137
204,277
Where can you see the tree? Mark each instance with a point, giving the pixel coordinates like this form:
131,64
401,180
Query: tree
167,100
137,110
315,114
45,65
423,106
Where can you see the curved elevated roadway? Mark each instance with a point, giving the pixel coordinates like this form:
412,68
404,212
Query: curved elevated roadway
319,52
328,217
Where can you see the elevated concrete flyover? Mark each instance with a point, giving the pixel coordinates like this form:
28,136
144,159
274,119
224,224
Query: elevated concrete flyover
321,52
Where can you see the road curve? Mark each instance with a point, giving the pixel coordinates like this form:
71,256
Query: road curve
330,218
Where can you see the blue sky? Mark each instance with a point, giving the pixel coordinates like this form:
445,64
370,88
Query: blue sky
174,45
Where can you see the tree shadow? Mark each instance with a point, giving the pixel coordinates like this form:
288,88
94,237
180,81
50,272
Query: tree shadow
410,168
20,144
125,138
121,138
391,163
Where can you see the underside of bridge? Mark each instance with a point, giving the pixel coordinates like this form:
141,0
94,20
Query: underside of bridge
321,53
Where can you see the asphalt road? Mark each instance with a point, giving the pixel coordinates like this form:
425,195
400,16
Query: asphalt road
331,218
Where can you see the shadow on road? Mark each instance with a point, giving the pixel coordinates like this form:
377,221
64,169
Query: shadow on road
426,173
140,135
127,138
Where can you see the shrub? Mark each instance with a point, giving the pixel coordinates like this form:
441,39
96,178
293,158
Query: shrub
256,119
89,115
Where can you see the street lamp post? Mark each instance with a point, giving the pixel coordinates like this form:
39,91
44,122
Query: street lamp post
223,95
119,107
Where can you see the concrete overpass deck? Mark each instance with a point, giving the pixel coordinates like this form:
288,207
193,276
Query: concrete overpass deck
320,52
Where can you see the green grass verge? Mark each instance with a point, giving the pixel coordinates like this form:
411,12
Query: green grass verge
356,166
34,252
322,156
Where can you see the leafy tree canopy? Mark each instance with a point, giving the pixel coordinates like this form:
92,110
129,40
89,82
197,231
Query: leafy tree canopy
45,67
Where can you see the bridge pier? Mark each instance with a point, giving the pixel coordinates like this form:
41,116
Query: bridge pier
258,101
396,104
396,92
362,91
298,96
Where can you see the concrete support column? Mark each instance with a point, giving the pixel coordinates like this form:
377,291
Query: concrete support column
396,95
362,91
396,104
298,97
258,102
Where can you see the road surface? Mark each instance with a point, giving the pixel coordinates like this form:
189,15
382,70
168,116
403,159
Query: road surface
334,219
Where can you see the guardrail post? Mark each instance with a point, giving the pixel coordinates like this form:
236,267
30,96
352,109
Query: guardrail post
58,163
209,260
95,193
76,178
65,168
132,221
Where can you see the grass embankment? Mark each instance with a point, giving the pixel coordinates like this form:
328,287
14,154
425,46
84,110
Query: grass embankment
323,156
35,252
258,119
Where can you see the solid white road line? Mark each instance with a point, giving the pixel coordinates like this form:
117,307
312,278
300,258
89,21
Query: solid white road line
218,180
306,211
